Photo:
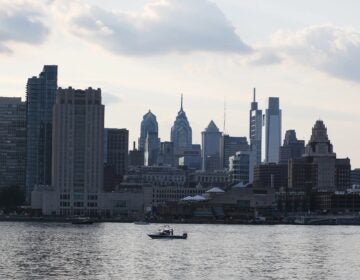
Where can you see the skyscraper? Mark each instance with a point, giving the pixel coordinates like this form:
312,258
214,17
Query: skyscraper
116,149
211,138
149,124
40,98
78,150
12,142
255,130
181,133
292,147
272,131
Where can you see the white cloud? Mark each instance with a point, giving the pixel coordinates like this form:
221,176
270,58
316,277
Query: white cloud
330,49
164,26
20,21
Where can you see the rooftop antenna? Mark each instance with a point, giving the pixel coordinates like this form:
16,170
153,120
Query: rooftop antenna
254,94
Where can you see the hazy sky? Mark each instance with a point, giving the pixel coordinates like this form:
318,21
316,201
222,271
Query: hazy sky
143,54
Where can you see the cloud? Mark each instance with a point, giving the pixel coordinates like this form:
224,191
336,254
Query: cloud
332,50
20,21
164,26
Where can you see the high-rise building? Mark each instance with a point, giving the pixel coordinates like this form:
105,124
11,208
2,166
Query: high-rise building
271,175
210,154
40,98
152,147
255,127
149,124
181,133
321,150
355,177
272,131
229,145
116,149
292,147
78,150
12,142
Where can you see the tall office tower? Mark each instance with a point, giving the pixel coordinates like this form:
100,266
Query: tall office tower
78,150
292,148
40,98
152,147
320,149
181,133
229,145
166,154
116,149
272,131
12,142
149,124
255,128
210,153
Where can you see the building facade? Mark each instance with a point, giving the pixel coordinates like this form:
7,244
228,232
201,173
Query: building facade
255,127
12,142
210,153
78,151
272,131
40,98
152,149
241,168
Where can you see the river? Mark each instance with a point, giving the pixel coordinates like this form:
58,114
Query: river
124,251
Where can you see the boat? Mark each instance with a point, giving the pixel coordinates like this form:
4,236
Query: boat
82,221
167,232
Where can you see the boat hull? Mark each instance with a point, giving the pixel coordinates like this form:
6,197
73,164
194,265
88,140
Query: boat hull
157,236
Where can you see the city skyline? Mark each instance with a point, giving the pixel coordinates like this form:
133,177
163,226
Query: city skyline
318,89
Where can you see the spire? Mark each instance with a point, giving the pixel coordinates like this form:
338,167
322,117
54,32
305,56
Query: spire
254,95
181,107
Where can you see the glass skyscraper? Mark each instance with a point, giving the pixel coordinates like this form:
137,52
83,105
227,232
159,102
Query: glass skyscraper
40,98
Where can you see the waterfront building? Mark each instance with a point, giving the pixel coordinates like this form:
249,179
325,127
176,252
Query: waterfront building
272,131
78,151
181,133
149,124
255,127
157,176
218,178
12,142
342,174
40,98
229,145
166,154
292,148
241,168
116,147
210,154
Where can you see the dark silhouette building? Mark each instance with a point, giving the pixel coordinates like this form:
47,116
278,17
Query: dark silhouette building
292,148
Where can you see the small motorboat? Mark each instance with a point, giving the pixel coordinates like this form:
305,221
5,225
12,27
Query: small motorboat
82,221
166,232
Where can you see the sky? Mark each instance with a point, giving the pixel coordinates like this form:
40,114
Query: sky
144,53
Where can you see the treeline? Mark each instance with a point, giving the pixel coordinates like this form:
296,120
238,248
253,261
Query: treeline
11,198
